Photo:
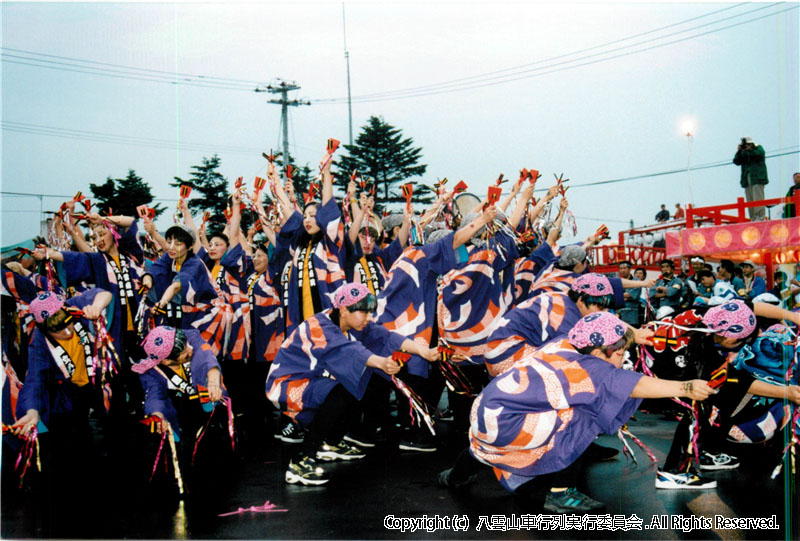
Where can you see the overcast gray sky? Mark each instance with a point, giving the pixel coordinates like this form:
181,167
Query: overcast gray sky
597,91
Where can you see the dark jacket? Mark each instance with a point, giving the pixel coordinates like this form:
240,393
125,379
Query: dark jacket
753,166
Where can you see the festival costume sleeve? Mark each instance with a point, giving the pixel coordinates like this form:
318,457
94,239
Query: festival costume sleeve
329,220
156,398
311,362
268,321
291,230
619,292
160,270
93,268
542,256
202,255
202,304
203,357
35,393
407,303
129,243
539,416
236,268
390,254
527,326
472,298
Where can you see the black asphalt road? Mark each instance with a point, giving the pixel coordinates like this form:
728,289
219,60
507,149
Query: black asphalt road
370,498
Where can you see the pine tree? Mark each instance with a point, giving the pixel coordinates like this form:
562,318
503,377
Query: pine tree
382,155
209,189
123,195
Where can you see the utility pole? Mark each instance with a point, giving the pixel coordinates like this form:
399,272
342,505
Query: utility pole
283,88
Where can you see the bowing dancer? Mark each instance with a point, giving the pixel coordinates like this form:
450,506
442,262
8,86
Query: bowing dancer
182,287
533,423
322,370
64,381
185,396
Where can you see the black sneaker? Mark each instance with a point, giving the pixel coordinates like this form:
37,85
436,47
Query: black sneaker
357,439
342,451
290,433
598,453
720,461
683,481
306,471
419,446
571,501
444,480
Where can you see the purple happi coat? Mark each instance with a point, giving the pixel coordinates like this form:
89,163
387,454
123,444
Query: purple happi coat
541,414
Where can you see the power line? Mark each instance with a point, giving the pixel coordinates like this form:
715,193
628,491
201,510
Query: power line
672,172
780,152
100,137
526,74
521,66
147,70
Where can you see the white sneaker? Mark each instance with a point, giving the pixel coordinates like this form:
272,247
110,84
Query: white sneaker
683,481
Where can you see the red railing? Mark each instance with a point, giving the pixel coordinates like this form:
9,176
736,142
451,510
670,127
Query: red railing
606,258
715,213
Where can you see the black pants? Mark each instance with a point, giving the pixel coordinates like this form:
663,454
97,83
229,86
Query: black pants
331,422
246,382
534,491
709,437
429,390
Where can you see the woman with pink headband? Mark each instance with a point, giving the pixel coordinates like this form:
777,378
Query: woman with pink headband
533,423
322,370
62,383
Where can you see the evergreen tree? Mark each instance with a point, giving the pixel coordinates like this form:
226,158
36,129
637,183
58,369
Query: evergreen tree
123,195
383,156
209,190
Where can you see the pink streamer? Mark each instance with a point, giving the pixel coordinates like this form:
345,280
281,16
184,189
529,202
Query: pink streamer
158,455
266,508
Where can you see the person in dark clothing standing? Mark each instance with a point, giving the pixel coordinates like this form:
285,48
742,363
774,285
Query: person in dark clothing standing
750,157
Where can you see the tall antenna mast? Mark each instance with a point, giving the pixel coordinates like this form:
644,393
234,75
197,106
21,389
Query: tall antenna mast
347,61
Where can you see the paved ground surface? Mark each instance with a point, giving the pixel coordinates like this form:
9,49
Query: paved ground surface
116,503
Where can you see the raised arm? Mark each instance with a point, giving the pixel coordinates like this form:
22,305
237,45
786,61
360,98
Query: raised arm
358,211
327,179
539,207
151,229
552,236
236,218
200,236
402,233
515,189
469,230
522,205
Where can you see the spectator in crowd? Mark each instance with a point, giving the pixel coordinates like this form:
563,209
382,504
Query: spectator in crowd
750,157
663,215
629,314
679,213
788,209
753,285
668,289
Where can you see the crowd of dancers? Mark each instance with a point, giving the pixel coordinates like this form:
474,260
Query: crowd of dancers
302,327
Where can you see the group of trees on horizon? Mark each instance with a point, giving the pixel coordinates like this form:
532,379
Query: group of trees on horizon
382,157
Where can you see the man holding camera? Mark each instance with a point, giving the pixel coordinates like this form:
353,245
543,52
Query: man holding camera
750,157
